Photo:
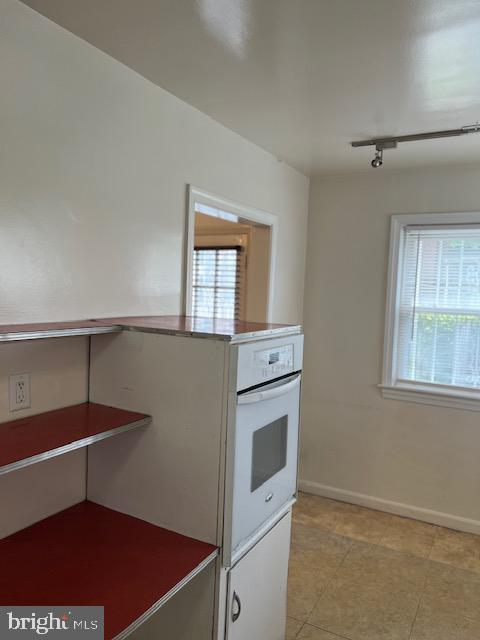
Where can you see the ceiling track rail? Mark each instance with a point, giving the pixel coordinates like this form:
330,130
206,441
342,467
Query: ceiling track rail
391,142
412,137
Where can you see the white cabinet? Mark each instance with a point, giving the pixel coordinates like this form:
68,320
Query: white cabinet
257,588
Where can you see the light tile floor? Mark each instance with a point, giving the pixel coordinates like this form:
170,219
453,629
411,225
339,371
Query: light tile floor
359,574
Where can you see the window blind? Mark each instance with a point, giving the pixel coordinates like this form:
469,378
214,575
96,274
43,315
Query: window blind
218,282
438,322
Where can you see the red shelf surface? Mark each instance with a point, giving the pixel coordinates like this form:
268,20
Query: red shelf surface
33,439
91,555
13,332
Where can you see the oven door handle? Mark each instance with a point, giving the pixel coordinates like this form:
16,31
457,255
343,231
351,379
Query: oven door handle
268,394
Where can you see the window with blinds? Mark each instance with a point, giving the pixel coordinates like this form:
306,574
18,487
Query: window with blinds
218,282
438,306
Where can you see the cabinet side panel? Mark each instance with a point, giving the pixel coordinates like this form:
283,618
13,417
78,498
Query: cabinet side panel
166,473
40,490
187,616
58,371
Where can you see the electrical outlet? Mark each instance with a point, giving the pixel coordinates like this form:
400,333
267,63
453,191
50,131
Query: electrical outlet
19,391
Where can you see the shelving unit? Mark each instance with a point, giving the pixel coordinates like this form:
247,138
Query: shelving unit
112,549
17,332
36,438
89,554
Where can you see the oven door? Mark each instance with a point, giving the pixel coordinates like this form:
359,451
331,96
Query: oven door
265,461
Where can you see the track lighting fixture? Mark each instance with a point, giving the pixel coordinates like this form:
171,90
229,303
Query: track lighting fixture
378,159
379,147
390,143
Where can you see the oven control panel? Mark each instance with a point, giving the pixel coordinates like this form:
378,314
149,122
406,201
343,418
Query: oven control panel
273,363
262,361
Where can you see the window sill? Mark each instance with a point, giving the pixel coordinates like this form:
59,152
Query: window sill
468,401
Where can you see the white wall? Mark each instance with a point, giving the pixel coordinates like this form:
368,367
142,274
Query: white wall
383,451
94,164
58,378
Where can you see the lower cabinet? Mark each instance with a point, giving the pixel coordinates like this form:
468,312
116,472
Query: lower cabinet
257,588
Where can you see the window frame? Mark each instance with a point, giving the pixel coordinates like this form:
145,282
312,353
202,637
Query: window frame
391,388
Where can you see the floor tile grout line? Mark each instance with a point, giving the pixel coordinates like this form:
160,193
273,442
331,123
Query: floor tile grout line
367,542
296,619
353,543
409,553
431,564
455,567
387,527
437,527
470,619
422,593
386,513
338,635
315,528
328,583
335,573
437,530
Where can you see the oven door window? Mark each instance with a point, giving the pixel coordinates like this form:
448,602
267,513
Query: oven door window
269,451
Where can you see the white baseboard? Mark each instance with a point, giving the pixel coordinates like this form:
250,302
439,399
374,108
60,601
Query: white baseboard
398,508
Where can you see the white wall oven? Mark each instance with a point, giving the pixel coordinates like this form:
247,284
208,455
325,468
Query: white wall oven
263,439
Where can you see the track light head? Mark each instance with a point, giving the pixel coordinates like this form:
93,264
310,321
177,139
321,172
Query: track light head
378,159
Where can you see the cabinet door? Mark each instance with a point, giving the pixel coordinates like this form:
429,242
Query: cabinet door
257,589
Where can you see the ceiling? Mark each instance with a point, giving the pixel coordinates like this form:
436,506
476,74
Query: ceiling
303,78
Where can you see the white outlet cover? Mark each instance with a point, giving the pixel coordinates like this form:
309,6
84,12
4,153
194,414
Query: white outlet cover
19,391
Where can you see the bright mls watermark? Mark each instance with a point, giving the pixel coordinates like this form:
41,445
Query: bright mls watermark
54,623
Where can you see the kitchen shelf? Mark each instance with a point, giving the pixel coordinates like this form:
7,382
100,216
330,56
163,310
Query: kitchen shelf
45,435
91,555
214,328
15,332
